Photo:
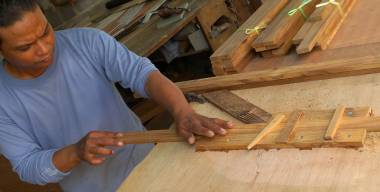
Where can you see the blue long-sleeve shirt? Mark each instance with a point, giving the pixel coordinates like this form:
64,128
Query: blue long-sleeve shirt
74,96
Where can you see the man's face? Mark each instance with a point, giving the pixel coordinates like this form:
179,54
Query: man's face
28,44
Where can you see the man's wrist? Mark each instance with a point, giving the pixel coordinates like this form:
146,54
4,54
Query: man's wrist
183,111
66,158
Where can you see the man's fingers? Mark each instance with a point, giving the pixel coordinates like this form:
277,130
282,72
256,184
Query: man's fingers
187,135
108,142
100,151
209,124
102,134
97,161
223,124
197,128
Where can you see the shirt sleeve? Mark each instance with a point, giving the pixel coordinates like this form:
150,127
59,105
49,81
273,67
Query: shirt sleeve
122,65
29,161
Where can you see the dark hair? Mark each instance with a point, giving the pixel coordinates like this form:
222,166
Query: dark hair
12,11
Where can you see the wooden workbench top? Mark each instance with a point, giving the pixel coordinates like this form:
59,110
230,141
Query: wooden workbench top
177,167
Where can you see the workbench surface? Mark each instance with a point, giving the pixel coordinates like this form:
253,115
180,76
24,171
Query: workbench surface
177,167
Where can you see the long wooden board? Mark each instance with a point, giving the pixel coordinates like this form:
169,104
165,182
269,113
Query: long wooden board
334,63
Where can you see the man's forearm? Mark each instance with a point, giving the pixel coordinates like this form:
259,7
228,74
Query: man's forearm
165,93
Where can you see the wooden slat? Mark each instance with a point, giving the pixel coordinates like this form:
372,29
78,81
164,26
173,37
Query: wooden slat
288,41
320,27
321,13
334,123
288,132
284,26
154,136
275,121
327,37
302,33
356,60
236,51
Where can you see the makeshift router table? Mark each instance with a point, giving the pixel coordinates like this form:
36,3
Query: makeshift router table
177,167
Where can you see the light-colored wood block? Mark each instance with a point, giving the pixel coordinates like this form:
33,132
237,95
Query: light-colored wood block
334,123
275,121
288,132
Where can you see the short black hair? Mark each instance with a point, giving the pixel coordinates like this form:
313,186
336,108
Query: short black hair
12,11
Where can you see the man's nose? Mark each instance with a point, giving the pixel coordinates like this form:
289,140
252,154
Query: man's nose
42,48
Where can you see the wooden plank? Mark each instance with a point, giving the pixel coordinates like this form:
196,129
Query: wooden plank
154,136
237,48
327,37
275,121
320,27
321,13
335,123
284,25
237,107
288,133
288,42
356,60
302,33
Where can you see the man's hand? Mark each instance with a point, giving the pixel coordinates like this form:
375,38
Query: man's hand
165,93
93,147
192,123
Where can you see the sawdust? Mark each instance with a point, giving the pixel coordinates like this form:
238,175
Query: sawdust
371,142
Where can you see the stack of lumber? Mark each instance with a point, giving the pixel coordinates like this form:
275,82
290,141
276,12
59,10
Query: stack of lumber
322,25
236,51
276,27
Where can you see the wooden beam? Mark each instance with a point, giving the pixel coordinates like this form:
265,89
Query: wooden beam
334,123
275,121
348,61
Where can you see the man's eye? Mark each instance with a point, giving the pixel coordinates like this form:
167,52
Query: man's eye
46,32
26,48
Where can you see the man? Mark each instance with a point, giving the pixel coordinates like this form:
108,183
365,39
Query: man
61,118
